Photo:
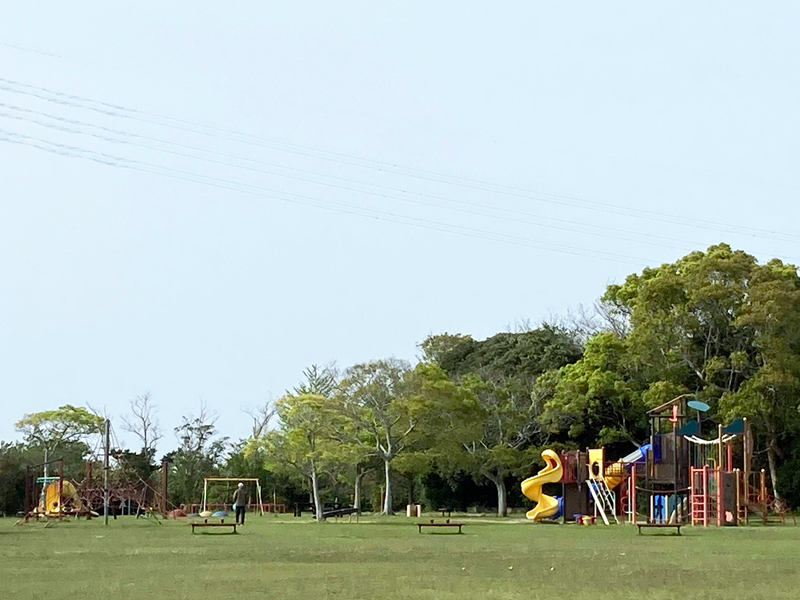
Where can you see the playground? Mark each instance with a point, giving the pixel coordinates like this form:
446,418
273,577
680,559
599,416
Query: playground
581,537
288,558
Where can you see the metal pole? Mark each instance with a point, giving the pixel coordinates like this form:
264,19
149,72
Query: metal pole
107,441
44,483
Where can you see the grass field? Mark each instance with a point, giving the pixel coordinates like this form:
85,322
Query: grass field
287,558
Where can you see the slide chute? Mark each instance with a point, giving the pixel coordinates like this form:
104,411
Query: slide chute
546,506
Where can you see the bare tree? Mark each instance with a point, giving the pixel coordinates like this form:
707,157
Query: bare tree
142,422
587,321
261,416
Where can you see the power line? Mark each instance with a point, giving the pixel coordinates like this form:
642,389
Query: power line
116,110
561,224
122,162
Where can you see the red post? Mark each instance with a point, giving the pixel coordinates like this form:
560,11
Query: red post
705,495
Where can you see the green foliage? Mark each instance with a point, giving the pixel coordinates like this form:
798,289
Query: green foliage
436,347
304,441
135,466
595,400
725,328
50,428
12,478
199,455
319,380
522,355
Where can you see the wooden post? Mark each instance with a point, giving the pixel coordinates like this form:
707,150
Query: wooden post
730,458
762,493
164,484
60,487
107,440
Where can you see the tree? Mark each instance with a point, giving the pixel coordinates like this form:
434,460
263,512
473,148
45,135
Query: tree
319,380
51,429
523,355
304,440
199,455
723,327
13,460
374,401
493,434
771,396
497,375
436,347
262,416
595,400
142,423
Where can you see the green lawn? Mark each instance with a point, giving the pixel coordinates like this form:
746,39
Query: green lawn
289,558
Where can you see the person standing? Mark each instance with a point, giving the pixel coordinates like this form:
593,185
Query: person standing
239,503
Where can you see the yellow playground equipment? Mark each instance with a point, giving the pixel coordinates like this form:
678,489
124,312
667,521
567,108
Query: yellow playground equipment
546,506
57,502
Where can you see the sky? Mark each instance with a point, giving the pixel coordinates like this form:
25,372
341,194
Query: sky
200,202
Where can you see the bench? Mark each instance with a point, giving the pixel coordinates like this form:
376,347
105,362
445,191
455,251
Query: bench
207,524
421,525
675,526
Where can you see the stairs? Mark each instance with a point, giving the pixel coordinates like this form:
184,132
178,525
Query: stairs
604,500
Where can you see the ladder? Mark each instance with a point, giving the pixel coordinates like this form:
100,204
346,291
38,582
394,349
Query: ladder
604,501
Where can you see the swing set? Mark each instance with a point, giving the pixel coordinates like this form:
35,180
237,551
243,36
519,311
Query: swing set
206,505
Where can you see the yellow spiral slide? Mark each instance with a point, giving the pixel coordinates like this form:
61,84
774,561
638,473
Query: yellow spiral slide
546,506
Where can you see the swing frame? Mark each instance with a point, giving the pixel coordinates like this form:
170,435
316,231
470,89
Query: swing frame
260,501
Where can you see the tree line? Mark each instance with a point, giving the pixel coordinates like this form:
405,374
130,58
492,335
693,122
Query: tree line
473,415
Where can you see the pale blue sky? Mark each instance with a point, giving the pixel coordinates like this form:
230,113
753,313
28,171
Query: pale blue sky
303,180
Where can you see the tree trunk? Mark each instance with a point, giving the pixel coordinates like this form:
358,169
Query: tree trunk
318,509
357,491
387,498
773,465
411,489
502,503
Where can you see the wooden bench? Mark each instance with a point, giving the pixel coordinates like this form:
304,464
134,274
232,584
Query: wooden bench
207,524
675,526
421,525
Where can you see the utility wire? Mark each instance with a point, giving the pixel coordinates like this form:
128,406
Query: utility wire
136,165
116,110
603,232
